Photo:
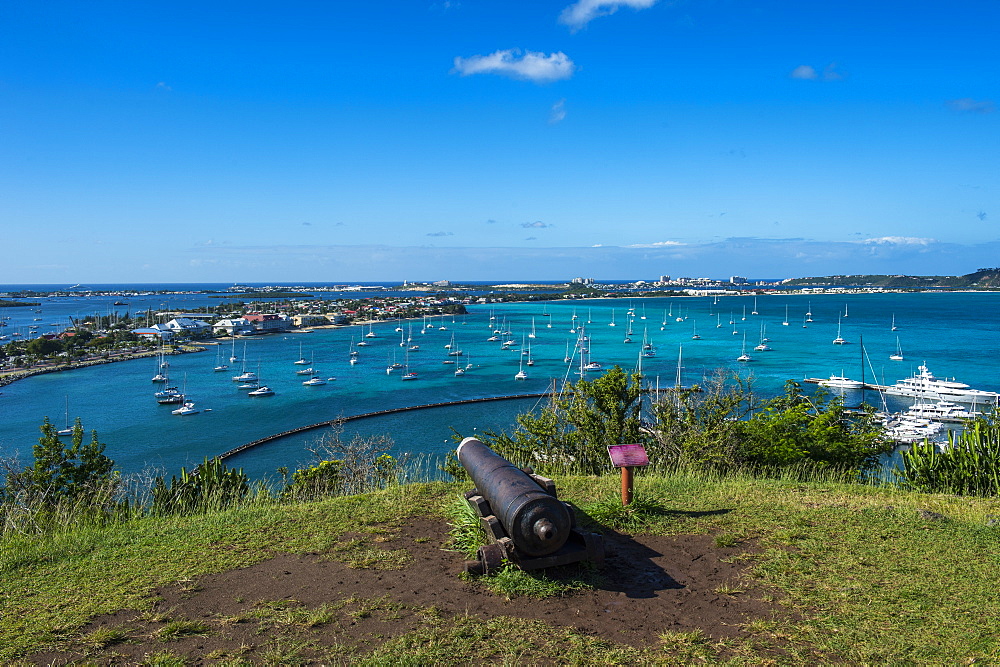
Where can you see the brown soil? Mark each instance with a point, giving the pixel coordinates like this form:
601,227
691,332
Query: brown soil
650,585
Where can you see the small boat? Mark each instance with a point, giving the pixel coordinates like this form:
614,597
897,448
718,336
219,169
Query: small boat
898,354
314,381
839,340
302,361
743,355
186,409
841,382
69,429
262,391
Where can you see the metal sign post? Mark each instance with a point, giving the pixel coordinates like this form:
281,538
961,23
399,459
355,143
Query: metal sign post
627,457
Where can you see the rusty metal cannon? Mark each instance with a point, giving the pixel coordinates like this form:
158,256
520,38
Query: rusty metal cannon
522,516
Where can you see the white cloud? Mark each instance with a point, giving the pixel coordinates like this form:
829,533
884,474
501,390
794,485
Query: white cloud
537,224
971,105
558,112
809,73
530,66
803,72
657,244
582,12
163,86
899,240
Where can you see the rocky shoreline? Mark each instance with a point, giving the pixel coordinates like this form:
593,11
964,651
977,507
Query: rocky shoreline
9,377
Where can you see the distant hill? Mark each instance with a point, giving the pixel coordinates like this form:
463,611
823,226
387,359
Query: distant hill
981,279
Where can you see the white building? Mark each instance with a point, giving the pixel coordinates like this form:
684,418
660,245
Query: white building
236,326
186,327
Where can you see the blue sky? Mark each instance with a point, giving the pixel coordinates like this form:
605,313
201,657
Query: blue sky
343,142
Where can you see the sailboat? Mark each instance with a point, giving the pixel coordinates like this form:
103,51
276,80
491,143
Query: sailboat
743,355
532,334
69,429
894,327
763,347
302,361
809,313
186,409
219,366
754,311
232,355
530,361
898,355
245,375
785,323
315,380
160,375
694,331
407,373
521,373
612,322
306,371
838,340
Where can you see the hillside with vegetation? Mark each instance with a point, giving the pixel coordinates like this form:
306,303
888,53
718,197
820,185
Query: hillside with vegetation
752,539
981,279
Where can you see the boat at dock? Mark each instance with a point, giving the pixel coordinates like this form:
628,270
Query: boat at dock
925,384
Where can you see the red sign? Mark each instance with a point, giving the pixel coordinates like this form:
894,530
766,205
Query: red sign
628,456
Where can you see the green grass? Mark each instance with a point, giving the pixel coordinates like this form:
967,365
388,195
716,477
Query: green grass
866,577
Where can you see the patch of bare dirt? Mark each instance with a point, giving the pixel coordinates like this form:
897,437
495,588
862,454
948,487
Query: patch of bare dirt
651,585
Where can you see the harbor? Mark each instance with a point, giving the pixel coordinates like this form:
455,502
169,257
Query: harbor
682,340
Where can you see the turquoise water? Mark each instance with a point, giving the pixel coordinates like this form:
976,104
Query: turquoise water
956,334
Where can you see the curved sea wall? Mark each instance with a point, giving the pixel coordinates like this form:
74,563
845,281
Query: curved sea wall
378,413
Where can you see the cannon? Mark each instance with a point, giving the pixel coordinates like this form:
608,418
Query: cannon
522,516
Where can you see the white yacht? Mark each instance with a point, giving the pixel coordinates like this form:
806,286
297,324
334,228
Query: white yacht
186,409
941,411
262,391
841,382
926,385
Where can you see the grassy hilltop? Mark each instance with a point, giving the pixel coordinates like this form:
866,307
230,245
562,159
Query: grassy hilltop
734,570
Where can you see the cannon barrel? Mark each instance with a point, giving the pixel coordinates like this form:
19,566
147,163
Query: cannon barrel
538,523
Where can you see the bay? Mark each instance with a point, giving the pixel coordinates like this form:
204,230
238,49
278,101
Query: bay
955,334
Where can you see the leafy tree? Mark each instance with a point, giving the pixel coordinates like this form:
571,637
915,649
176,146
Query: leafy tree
577,426
793,427
63,471
43,347
722,426
701,425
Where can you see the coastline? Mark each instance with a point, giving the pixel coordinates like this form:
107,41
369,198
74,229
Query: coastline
13,375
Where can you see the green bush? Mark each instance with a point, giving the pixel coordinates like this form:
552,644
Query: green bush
968,465
210,486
